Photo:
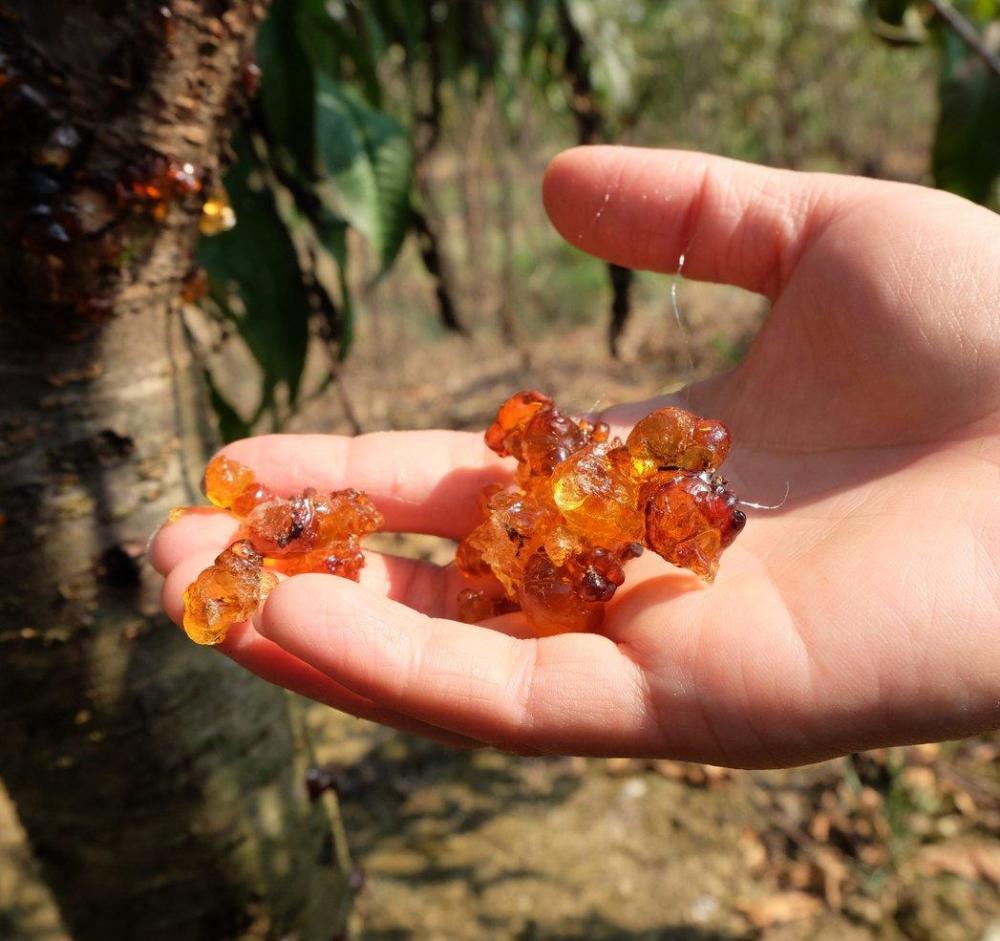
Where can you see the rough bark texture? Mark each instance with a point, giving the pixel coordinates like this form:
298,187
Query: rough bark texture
159,785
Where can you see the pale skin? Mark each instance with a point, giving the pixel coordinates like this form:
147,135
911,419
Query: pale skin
865,612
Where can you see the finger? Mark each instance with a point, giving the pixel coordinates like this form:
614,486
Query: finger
205,531
268,661
575,693
422,481
423,586
734,223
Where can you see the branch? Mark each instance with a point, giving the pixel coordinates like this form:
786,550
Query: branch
436,267
590,123
428,130
621,304
967,33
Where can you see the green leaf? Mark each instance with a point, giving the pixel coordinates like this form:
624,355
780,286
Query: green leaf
891,11
287,89
982,11
529,27
367,164
967,140
256,261
403,20
896,22
347,45
331,231
346,314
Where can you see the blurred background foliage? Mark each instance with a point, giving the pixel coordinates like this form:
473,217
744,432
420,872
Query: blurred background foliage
388,121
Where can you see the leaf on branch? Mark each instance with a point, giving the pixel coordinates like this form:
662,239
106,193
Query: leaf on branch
256,279
367,164
287,89
897,22
966,143
338,319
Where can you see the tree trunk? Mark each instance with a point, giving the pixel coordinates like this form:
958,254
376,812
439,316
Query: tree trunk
159,785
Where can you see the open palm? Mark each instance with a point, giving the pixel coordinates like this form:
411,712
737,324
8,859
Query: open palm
863,612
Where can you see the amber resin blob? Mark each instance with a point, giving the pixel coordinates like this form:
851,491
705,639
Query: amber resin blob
555,542
311,532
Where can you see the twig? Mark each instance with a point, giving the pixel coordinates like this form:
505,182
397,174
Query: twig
436,265
967,33
621,304
592,127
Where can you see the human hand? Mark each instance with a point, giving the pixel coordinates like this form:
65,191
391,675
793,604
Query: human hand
864,612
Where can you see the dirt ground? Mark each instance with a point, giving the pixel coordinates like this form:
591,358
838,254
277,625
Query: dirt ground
903,843
452,847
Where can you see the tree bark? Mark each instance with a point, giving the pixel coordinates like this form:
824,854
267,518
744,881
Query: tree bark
159,785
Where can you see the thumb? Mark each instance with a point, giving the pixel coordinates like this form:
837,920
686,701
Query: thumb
734,223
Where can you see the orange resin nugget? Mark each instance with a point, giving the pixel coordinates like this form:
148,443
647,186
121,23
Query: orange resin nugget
674,438
311,532
225,480
232,486
689,521
343,558
227,592
555,543
550,600
597,497
515,526
310,522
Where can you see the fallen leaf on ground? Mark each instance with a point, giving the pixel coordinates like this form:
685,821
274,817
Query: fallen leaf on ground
779,909
752,851
968,861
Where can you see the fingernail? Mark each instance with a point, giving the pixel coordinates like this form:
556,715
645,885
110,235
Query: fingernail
152,539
